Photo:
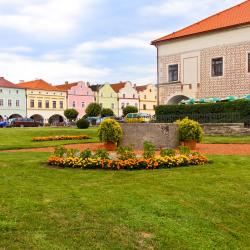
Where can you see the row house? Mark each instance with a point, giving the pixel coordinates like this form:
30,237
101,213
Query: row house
210,58
80,95
45,102
126,95
12,100
147,98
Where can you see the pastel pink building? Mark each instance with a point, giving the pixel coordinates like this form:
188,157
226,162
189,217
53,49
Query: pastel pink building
80,96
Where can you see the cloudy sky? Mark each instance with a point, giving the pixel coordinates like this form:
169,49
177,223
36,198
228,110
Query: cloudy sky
91,40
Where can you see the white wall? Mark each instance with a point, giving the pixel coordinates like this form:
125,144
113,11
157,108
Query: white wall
205,40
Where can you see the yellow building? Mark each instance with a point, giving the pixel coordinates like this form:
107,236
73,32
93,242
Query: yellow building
147,98
45,102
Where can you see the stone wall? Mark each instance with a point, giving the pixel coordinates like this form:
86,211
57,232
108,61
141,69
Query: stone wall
160,134
226,129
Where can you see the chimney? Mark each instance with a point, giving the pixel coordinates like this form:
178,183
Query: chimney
21,81
88,84
66,82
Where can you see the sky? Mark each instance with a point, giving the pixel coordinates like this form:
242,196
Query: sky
91,40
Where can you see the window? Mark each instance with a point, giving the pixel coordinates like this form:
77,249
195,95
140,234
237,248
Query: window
127,104
217,66
101,105
1,91
249,62
74,104
112,105
124,96
54,104
47,104
154,106
32,103
83,104
144,107
1,102
136,105
145,97
17,103
134,96
123,105
61,104
9,103
9,91
17,91
40,104
173,73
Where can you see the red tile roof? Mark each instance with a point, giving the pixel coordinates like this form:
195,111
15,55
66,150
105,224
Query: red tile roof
141,88
38,85
66,86
235,16
7,84
118,86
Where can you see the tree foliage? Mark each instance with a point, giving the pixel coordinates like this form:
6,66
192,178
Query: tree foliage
93,109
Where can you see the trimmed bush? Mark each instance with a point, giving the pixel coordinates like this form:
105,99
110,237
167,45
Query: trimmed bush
82,123
190,130
110,131
207,112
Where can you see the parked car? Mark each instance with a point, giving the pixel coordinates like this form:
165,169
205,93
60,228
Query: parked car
94,121
137,117
25,122
4,124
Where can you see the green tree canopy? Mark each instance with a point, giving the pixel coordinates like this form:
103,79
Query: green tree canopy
107,112
71,114
130,109
93,109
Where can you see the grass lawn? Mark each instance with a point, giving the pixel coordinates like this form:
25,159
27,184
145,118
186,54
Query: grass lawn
205,207
17,138
226,139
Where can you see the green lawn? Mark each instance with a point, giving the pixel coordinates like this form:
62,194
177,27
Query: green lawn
227,139
16,138
205,207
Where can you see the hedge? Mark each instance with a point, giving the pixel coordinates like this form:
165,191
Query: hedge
236,111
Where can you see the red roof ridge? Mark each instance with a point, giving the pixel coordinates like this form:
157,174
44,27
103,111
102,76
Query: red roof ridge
175,35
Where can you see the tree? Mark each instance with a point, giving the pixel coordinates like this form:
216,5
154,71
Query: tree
107,112
129,109
71,114
93,109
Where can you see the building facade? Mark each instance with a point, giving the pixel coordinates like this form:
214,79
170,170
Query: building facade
45,102
12,100
80,95
208,59
127,95
147,98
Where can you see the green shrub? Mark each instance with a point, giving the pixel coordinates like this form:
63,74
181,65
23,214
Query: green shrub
126,153
71,114
60,151
87,153
129,109
102,154
189,130
82,123
93,110
184,150
110,131
167,152
72,152
208,112
148,150
107,112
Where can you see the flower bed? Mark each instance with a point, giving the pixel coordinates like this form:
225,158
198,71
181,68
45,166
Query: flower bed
61,138
131,164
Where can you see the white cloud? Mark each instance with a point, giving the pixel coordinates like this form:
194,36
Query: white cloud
187,8
140,41
16,67
48,18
